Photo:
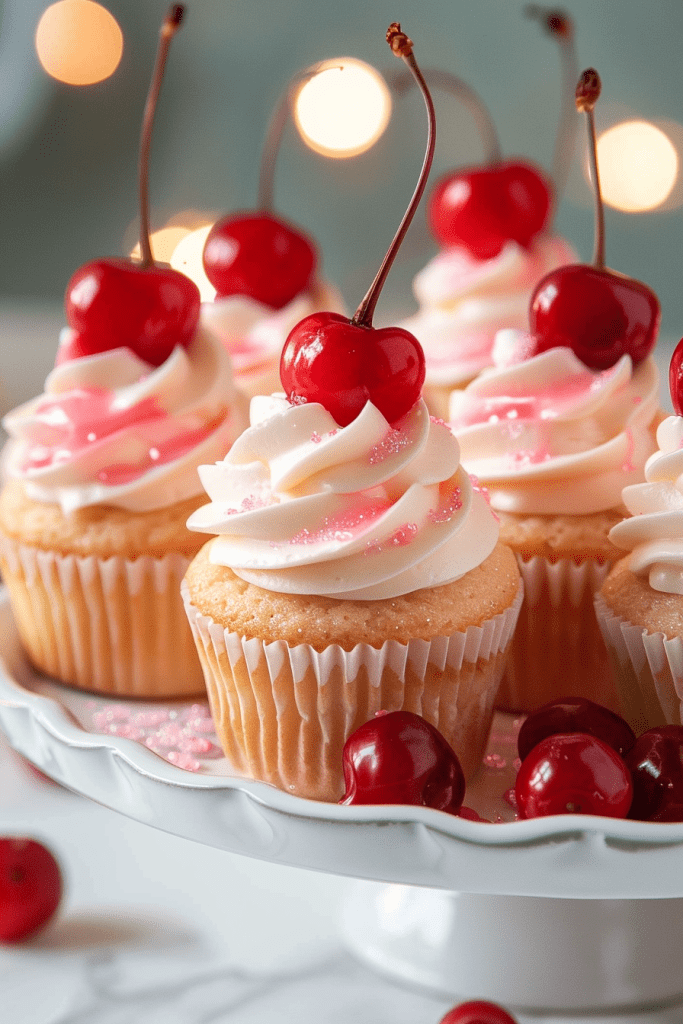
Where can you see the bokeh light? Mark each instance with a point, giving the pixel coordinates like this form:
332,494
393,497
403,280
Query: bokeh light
163,242
187,257
79,42
638,166
342,110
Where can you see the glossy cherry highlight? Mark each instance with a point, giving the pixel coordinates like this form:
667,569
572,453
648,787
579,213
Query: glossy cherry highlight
30,888
600,314
399,758
656,765
573,773
676,378
111,303
477,1011
574,714
344,363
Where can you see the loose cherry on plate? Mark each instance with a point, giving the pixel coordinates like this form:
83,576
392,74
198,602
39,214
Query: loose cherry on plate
575,714
399,758
30,888
600,314
573,773
477,1011
115,302
345,363
257,253
656,764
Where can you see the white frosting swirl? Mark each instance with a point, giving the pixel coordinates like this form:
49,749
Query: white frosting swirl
254,334
464,301
111,429
654,534
365,511
549,436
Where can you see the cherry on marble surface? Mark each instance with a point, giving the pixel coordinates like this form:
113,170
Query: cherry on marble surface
573,773
477,1011
656,765
482,208
399,758
259,255
574,714
30,887
344,363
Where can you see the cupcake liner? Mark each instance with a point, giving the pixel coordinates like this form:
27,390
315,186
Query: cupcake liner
648,667
114,626
282,714
558,650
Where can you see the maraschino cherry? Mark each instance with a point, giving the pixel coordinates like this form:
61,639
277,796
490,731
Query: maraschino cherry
676,378
575,714
656,764
399,758
573,773
256,253
117,302
30,888
477,1011
341,363
600,314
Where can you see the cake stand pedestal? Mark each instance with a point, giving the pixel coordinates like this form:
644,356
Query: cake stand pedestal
562,915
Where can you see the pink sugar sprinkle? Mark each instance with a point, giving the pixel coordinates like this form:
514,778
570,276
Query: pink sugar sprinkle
126,731
183,760
168,735
315,437
399,538
439,422
494,761
203,725
194,711
510,797
393,442
450,502
381,713
198,745
150,719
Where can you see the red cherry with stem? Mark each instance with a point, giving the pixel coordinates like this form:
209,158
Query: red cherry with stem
599,314
676,378
30,888
573,773
258,255
482,208
656,764
477,1011
575,714
399,758
115,302
342,364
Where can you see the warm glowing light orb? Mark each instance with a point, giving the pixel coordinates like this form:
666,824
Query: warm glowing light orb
638,166
163,242
343,109
187,257
79,42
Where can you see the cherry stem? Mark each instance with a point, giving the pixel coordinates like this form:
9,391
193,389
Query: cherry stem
402,46
169,27
559,25
439,79
586,96
274,133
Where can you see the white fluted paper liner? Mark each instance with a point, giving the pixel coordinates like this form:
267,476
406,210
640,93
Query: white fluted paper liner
283,713
557,650
649,670
114,625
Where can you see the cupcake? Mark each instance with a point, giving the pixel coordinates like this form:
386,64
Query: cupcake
355,569
464,300
640,605
554,443
101,475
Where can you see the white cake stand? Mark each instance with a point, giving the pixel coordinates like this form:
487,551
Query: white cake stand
563,915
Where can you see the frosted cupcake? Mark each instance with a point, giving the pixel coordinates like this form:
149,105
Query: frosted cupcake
464,301
640,606
356,569
554,443
101,477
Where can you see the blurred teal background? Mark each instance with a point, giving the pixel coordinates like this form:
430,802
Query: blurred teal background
68,155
